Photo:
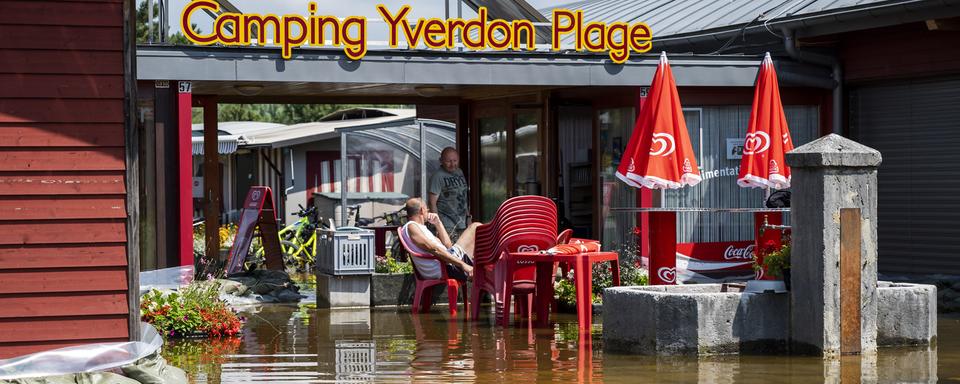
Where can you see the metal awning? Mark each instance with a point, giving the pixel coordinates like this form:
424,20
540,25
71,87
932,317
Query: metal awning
322,130
225,144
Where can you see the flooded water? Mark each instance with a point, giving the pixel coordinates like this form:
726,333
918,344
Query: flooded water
284,343
301,344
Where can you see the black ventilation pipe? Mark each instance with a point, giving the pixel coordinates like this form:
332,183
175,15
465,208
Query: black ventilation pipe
790,44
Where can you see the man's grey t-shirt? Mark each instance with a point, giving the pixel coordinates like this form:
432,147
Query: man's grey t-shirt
451,190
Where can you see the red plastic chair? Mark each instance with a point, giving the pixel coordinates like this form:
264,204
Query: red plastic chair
563,238
521,215
508,216
519,242
522,209
485,279
422,298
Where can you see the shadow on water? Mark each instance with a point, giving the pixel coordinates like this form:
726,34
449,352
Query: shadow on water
299,344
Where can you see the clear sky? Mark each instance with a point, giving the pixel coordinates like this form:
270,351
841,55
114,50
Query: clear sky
342,8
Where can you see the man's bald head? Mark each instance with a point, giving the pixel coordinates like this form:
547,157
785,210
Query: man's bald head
413,207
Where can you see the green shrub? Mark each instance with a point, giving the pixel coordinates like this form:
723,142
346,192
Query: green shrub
387,264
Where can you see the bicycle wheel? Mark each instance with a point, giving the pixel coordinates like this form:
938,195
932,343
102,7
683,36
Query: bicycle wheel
288,251
291,256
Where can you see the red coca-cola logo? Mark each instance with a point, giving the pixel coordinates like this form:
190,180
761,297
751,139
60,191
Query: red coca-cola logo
741,253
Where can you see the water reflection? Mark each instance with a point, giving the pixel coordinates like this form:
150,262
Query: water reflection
294,344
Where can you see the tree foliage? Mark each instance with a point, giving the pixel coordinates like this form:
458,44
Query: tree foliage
280,113
142,23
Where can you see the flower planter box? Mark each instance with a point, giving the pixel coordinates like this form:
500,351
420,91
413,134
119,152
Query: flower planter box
392,289
198,335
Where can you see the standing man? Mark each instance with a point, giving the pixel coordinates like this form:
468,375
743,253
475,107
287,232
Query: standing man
448,193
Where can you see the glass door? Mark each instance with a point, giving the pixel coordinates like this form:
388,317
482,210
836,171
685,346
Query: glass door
615,127
493,165
527,153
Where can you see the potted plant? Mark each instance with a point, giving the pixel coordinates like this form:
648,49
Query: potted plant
776,262
193,311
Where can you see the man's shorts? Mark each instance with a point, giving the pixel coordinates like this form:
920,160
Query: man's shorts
454,272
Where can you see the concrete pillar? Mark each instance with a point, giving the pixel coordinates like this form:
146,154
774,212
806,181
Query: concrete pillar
829,174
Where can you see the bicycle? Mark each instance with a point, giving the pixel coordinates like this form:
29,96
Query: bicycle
354,211
298,243
395,218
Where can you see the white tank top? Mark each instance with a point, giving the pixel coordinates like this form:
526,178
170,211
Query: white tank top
428,268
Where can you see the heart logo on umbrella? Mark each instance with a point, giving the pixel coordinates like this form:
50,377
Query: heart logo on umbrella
774,168
668,275
662,145
756,143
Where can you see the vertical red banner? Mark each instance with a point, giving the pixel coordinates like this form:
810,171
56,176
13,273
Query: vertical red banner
185,161
663,248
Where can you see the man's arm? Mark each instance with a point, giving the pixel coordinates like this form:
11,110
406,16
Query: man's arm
421,241
432,201
442,234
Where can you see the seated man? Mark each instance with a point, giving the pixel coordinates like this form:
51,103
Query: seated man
455,257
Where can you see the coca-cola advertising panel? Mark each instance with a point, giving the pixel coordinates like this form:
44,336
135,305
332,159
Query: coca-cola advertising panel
715,262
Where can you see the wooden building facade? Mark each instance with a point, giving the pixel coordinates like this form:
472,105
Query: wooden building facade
66,267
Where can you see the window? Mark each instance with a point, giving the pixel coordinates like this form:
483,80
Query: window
366,172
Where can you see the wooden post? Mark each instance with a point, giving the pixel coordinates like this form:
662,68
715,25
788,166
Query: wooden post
850,281
211,178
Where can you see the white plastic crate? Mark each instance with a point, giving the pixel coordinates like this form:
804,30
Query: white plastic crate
346,251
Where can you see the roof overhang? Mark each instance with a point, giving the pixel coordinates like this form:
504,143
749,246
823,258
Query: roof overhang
828,22
226,144
402,71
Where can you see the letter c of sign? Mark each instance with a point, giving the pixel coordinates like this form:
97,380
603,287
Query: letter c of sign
185,26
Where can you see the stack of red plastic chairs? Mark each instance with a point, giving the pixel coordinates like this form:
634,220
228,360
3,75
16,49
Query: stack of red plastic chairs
522,223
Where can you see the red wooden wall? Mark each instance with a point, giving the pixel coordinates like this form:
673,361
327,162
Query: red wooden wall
901,51
63,237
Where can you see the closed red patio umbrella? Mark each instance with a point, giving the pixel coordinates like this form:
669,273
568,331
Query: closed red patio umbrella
768,137
767,141
659,156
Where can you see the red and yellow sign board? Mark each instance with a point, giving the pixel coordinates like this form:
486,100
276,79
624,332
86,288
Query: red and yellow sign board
290,31
258,211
